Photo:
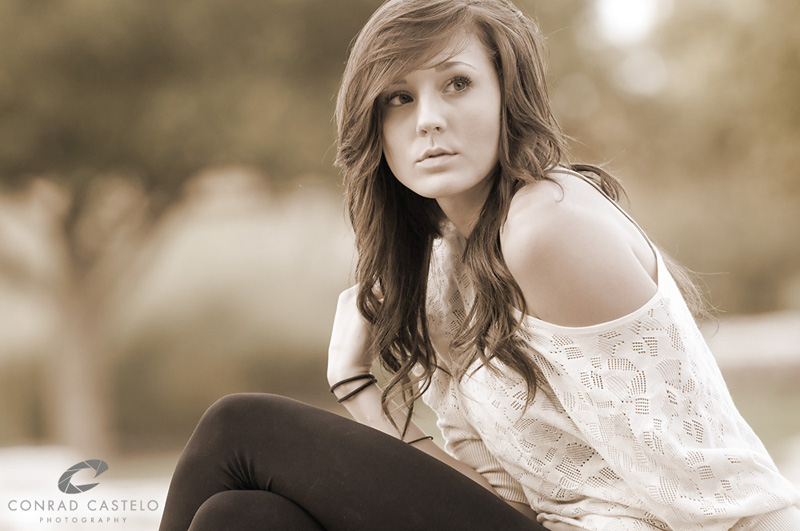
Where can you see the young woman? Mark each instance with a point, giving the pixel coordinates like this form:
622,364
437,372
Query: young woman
509,291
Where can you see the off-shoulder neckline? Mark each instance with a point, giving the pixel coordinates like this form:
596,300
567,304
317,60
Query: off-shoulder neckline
449,232
661,274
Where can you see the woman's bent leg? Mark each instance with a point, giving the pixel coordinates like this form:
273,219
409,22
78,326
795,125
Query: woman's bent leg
251,510
346,476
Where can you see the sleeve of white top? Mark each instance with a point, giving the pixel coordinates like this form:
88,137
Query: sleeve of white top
474,453
648,397
463,442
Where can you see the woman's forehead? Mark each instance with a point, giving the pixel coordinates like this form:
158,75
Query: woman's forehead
438,53
447,49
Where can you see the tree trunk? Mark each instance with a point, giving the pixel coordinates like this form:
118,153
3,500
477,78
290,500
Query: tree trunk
77,405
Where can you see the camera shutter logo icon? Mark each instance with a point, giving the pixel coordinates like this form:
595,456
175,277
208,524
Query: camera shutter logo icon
65,483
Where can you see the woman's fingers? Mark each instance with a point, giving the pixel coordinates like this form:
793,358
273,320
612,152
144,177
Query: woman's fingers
560,526
553,525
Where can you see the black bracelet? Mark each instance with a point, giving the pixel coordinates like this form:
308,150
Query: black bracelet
353,379
430,437
354,393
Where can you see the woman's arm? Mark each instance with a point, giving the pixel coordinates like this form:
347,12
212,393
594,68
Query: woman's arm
573,256
667,427
348,356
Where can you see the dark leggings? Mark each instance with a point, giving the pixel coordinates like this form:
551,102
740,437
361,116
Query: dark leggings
265,462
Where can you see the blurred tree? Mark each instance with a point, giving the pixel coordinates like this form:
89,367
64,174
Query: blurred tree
164,89
710,148
735,128
120,103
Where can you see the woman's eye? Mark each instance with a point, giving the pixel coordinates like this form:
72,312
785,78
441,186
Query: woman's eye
397,98
460,83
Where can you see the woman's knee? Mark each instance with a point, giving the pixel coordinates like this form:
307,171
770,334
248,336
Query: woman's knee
240,408
233,415
217,512
251,510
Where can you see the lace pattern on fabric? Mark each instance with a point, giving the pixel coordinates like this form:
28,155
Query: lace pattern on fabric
632,427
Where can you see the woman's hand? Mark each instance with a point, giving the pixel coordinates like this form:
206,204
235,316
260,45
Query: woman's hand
556,526
561,526
348,352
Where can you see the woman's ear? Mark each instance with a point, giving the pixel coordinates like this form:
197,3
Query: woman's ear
377,291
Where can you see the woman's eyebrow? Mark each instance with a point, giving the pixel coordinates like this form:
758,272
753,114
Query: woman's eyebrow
439,68
450,64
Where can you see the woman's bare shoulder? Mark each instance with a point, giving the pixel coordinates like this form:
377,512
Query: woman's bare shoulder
573,259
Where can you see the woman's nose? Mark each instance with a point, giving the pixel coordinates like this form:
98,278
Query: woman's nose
430,116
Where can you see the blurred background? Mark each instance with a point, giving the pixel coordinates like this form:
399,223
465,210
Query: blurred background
172,230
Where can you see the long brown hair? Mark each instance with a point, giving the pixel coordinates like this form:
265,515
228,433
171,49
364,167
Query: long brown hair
395,228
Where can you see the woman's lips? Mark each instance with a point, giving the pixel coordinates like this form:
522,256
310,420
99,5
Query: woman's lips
434,161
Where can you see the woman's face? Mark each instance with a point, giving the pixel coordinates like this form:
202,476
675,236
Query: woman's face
441,125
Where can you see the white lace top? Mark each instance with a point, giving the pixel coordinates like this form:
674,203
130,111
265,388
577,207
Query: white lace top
631,428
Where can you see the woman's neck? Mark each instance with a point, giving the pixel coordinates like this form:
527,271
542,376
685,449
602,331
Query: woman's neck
464,209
